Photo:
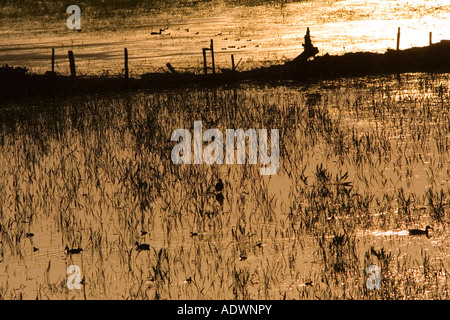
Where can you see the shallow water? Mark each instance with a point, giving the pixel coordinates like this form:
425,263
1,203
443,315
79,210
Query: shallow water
92,172
256,35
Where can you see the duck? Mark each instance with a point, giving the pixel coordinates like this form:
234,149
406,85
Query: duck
143,232
160,32
142,246
220,198
72,251
219,185
419,232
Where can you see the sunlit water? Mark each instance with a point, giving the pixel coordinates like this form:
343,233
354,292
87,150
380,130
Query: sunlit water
74,171
256,35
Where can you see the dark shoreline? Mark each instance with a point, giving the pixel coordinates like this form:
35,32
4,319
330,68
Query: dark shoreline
434,58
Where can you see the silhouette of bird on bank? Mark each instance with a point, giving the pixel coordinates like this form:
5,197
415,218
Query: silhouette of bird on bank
72,251
418,232
142,246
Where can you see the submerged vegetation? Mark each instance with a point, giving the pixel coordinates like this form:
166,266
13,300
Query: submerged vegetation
361,161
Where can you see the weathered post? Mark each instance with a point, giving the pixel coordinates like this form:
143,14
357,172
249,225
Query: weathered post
233,68
53,60
172,69
205,70
72,64
431,38
212,58
398,39
126,63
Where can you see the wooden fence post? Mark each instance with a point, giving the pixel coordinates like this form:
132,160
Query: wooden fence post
72,64
212,57
205,69
398,39
172,69
126,63
53,60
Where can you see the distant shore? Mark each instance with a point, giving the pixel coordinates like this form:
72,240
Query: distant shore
17,84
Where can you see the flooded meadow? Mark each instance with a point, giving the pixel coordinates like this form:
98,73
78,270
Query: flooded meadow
362,161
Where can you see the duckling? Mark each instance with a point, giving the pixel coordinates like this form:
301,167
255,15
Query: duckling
418,232
142,246
72,251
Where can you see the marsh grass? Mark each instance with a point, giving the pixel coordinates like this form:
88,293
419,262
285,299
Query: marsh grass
356,156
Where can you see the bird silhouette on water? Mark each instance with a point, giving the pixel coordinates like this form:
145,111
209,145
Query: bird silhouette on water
419,232
142,246
218,190
72,251
219,186
155,33
220,198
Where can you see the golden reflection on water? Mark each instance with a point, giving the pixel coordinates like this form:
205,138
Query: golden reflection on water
260,35
360,164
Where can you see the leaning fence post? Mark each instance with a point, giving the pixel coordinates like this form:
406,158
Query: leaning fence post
72,64
172,69
233,68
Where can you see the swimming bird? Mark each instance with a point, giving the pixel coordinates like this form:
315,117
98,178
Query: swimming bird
72,251
160,31
418,232
219,185
142,246
143,232
220,198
